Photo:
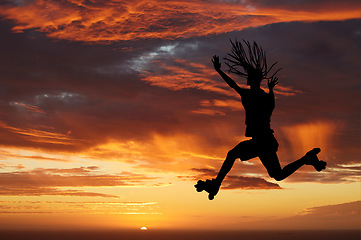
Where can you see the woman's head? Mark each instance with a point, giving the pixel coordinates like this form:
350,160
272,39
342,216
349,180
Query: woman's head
253,62
254,77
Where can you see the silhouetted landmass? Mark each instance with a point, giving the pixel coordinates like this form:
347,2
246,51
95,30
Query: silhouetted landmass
180,235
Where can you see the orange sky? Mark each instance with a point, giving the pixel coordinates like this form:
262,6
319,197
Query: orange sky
111,111
128,20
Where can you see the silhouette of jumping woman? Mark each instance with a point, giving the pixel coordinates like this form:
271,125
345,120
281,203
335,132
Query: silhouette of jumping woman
258,106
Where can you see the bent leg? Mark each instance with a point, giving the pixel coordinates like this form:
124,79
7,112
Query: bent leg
244,150
271,162
226,166
212,186
268,155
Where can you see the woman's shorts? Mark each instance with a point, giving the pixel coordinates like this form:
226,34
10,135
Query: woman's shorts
256,146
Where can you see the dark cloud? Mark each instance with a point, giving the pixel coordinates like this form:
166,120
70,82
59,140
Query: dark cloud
234,182
339,216
66,96
249,183
308,5
334,219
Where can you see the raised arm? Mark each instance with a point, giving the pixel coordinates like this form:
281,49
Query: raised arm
229,81
271,84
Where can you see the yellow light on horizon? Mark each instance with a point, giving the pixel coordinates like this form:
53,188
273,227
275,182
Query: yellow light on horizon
143,228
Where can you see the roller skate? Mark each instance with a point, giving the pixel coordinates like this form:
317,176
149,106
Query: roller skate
312,159
210,186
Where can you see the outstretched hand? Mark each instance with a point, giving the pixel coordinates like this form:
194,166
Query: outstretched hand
216,63
272,82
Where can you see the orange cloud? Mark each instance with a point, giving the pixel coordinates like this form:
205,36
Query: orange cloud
105,21
40,182
177,74
182,77
157,153
39,135
30,108
41,191
99,207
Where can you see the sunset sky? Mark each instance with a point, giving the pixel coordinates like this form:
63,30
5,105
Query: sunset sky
110,111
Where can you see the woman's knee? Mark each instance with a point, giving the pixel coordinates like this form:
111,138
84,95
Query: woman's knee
232,154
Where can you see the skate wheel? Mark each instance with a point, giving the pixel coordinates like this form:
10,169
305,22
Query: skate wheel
199,186
321,165
210,196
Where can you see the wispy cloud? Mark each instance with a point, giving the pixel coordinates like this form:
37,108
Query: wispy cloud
178,74
337,216
78,207
41,181
47,191
104,21
37,135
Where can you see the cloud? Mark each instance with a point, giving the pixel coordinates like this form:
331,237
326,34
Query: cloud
306,136
234,182
80,207
76,177
106,21
332,175
339,216
332,220
249,183
117,101
182,74
38,182
45,191
307,5
9,154
41,136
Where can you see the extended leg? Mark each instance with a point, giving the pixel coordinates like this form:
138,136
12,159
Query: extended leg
244,150
212,186
226,166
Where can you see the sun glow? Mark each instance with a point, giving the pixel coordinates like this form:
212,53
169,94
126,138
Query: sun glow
304,137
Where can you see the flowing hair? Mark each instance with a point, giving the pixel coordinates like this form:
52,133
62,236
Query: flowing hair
255,62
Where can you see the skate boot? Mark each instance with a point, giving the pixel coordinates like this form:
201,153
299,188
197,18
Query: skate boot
312,159
210,186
